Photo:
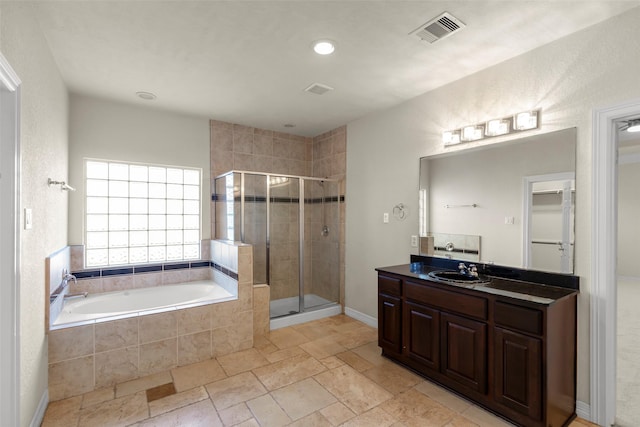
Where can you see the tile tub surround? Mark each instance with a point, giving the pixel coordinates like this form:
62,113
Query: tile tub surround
295,376
55,265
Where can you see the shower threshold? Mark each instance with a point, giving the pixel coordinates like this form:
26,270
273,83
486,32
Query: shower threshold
284,312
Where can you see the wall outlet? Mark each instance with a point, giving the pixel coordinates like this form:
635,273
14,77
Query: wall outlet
414,241
509,220
385,217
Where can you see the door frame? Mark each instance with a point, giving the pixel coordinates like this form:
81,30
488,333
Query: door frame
604,246
9,243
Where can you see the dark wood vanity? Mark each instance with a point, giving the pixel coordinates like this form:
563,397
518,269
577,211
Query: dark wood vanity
508,345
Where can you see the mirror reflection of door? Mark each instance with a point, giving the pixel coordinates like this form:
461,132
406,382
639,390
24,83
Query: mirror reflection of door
550,204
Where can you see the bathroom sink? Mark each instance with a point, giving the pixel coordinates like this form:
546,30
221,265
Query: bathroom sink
457,277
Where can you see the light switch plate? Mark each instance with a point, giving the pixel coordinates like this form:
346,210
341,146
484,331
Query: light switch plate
385,217
28,218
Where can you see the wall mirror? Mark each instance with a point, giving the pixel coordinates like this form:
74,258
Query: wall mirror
516,197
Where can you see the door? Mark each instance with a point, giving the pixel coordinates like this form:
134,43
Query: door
518,381
464,350
390,323
422,333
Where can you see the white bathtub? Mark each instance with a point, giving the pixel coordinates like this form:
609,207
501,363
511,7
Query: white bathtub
108,306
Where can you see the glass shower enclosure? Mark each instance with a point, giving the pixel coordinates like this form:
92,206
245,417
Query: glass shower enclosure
293,223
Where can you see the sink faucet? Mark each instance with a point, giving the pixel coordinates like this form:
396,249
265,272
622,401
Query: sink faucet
472,270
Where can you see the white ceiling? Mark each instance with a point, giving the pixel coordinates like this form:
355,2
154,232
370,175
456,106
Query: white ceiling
249,62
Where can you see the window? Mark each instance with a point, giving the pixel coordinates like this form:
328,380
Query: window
138,213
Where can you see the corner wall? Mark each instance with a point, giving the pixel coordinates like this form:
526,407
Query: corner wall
566,79
44,154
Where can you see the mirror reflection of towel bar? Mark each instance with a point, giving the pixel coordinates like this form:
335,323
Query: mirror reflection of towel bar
461,206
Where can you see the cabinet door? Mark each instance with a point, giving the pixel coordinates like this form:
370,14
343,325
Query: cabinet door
518,381
389,323
464,351
421,334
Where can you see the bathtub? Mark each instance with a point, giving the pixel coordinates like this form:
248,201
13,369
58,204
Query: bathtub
107,306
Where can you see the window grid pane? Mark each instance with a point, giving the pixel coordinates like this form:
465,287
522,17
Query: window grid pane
141,214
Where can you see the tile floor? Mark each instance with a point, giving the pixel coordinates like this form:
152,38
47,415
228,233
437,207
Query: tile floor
327,372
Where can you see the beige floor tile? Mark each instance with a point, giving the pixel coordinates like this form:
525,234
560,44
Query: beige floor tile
375,417
177,400
249,423
359,336
460,421
122,411
63,413
267,412
484,418
354,360
303,398
371,353
331,362
287,337
288,371
410,404
432,417
323,347
233,390
337,413
440,395
197,374
355,390
393,378
201,414
144,383
287,353
235,414
314,330
312,420
242,361
98,396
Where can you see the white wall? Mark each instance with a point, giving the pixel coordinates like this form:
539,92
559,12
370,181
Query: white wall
107,130
566,80
628,219
44,152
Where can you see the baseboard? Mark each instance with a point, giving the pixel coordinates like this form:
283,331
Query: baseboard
583,410
36,421
364,318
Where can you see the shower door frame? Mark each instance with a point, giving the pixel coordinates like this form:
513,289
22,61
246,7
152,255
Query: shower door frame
301,220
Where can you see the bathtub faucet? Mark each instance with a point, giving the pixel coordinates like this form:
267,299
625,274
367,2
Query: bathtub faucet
67,277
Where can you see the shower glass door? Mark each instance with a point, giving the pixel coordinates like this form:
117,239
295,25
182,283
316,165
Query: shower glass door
283,245
322,243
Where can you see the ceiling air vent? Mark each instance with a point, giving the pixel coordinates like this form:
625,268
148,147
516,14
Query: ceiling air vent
438,28
318,88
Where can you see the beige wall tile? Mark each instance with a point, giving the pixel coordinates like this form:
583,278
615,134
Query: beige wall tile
147,280
70,343
117,283
194,319
194,348
158,356
172,277
93,286
202,273
70,378
76,253
116,334
113,367
156,327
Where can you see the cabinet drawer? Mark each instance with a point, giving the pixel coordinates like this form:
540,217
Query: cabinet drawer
454,302
389,285
517,317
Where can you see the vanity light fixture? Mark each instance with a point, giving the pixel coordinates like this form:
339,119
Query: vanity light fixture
324,47
519,122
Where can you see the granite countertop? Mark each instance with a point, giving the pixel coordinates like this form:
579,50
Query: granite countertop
517,289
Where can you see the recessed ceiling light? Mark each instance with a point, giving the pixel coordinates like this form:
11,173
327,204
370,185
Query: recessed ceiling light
634,126
147,96
324,47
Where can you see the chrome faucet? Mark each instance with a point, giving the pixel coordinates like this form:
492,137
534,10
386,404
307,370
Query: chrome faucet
472,270
66,277
78,295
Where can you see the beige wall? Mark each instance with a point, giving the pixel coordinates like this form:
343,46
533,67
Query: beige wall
44,152
628,214
566,80
107,130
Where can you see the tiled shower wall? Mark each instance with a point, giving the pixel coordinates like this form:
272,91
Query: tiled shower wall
237,147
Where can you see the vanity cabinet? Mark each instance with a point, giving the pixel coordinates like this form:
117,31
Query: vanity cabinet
513,356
